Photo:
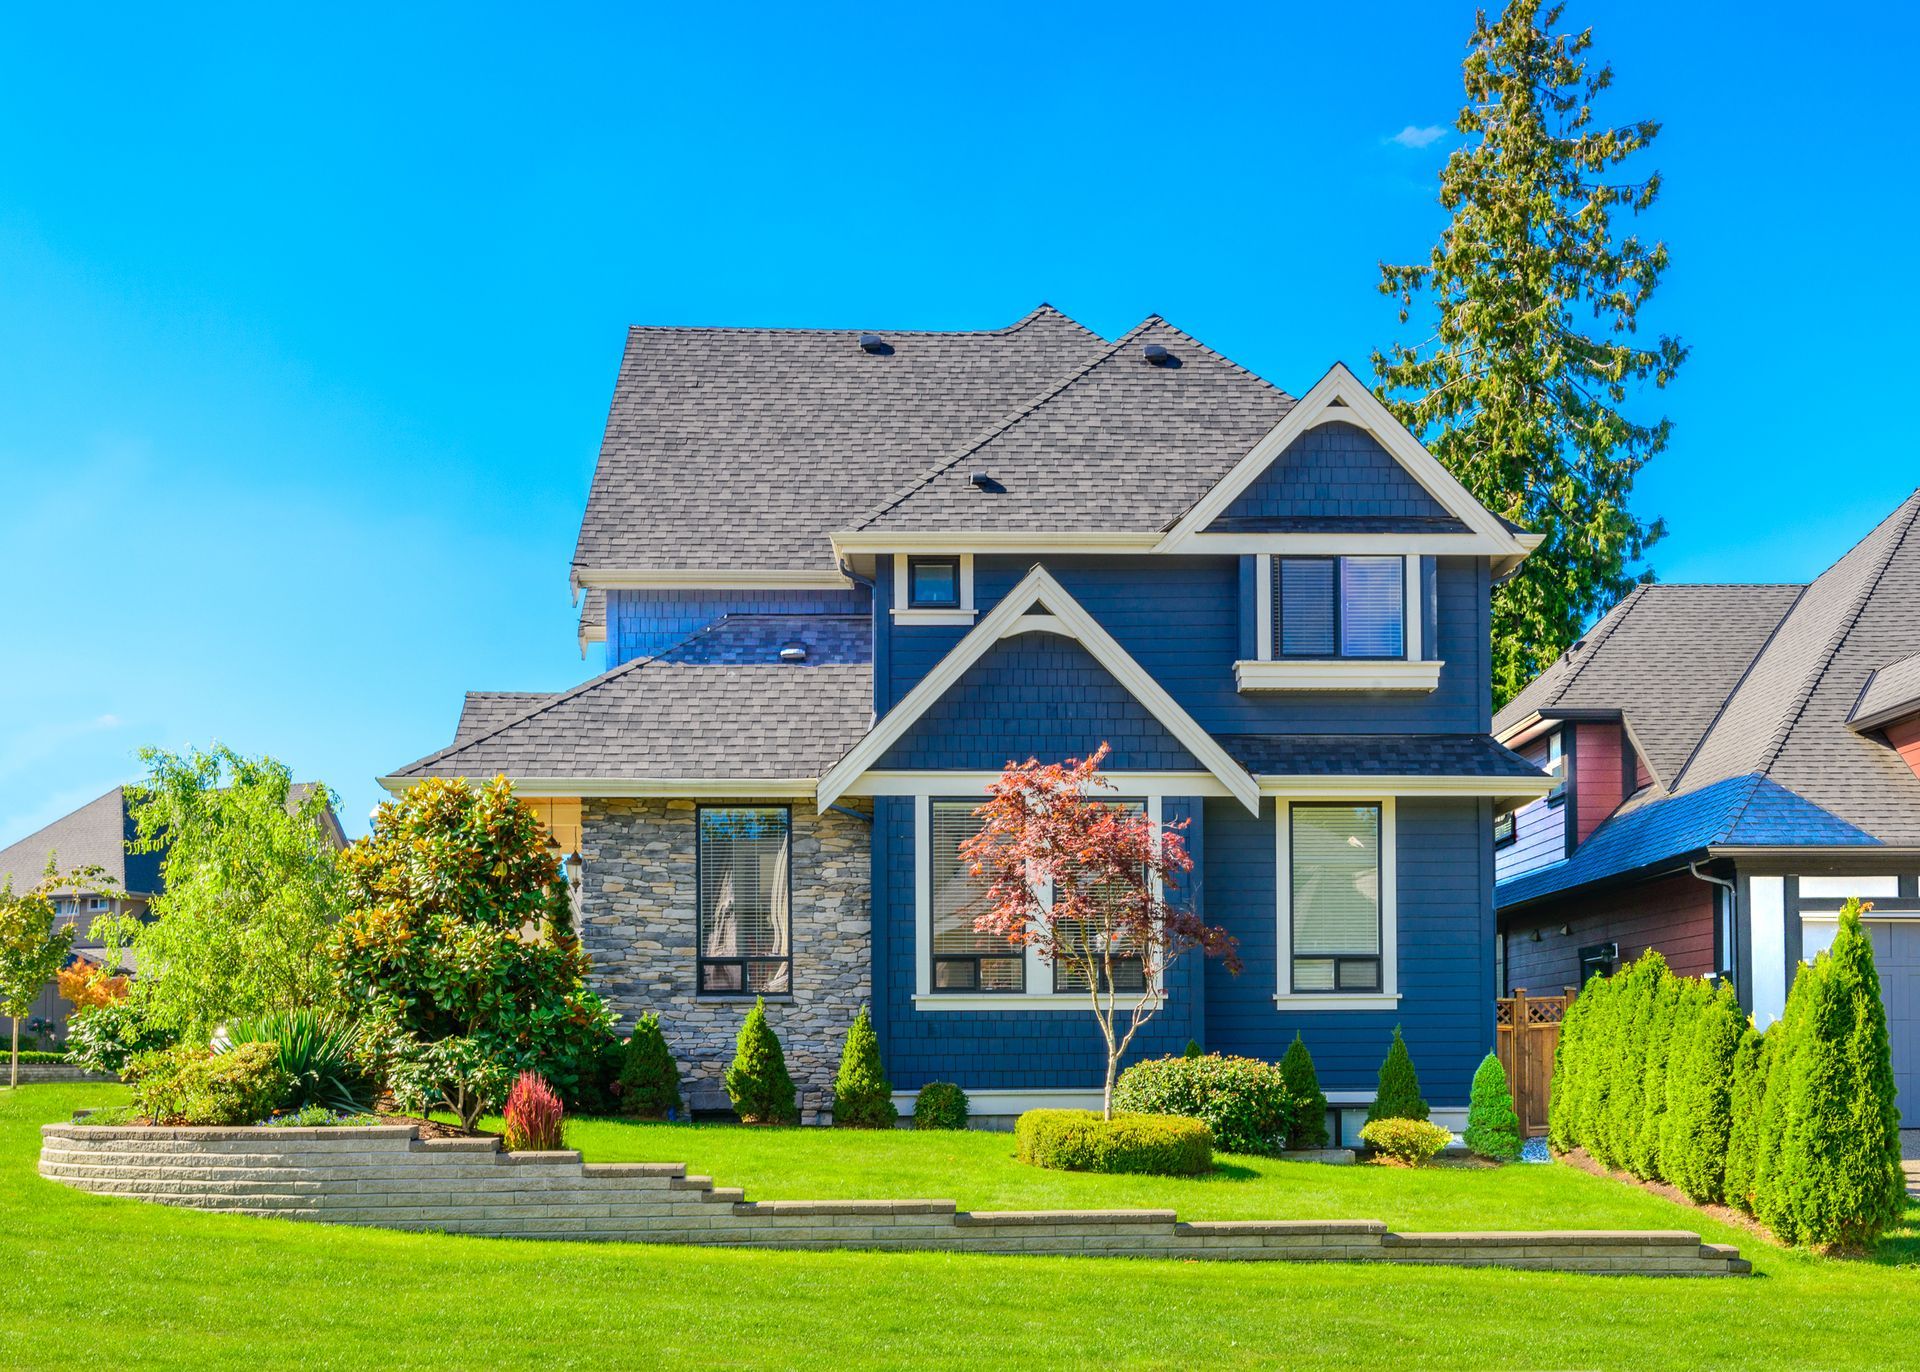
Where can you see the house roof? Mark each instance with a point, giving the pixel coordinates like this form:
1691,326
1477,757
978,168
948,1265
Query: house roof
1627,663
1120,444
1377,755
95,835
719,706
1891,693
744,448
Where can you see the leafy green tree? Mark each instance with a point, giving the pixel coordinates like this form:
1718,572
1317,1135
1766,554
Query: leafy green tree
757,1080
1303,1084
33,946
1515,391
1493,1129
1398,1093
862,1096
252,890
449,949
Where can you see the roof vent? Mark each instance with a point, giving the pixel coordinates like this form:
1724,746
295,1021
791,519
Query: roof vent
873,343
794,652
1156,355
984,480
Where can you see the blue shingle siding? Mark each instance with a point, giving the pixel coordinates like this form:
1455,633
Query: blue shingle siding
1036,695
1184,620
1334,471
1445,952
642,623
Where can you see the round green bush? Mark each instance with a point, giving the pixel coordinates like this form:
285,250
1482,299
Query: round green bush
1243,1101
1081,1141
1404,1141
189,1085
940,1105
649,1081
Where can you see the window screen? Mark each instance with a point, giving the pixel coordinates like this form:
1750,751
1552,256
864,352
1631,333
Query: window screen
1128,968
745,900
1336,897
965,959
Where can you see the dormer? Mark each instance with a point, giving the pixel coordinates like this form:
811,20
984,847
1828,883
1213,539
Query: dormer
1889,706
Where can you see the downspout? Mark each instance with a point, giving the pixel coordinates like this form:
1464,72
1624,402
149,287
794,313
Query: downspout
1733,924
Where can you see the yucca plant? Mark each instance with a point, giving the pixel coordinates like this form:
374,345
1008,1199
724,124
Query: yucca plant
316,1052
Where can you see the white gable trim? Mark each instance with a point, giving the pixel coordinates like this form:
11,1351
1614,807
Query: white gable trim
1356,406
1062,615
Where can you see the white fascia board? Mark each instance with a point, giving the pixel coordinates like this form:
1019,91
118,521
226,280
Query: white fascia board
976,783
1332,543
1373,787
689,788
715,578
1358,407
1074,622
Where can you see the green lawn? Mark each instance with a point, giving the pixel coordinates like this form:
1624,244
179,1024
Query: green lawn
92,1279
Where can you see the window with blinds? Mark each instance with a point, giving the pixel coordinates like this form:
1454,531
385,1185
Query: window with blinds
1128,968
1339,607
1335,904
965,958
745,883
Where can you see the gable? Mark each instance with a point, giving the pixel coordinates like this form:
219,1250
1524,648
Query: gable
1036,695
1335,471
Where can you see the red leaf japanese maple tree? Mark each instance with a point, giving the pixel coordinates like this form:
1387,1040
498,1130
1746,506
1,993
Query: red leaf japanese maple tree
1092,886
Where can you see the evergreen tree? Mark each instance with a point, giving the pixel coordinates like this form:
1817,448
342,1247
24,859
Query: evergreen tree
1643,1155
862,1096
1493,1130
1744,1097
1510,392
757,1080
649,1077
1626,1062
1398,1095
1303,1084
1695,1150
1786,1042
1569,1060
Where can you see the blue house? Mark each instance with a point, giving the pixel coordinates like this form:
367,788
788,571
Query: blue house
842,579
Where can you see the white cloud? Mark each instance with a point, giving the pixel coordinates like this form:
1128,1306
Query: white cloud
1412,137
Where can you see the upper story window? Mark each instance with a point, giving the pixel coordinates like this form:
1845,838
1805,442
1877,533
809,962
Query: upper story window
1339,607
1505,830
1556,767
745,881
933,583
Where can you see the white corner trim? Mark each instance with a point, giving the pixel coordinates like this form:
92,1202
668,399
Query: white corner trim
1360,408
1389,993
1337,674
1263,608
964,613
1036,588
863,541
714,578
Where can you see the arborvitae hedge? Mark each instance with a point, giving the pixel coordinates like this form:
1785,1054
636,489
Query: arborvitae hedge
1398,1094
1796,1126
1303,1084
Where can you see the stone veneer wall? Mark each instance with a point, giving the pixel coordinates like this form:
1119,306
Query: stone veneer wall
637,921
385,1177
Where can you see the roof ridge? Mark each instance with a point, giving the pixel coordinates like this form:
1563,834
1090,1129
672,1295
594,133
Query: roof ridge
1214,352
1841,633
1040,311
994,431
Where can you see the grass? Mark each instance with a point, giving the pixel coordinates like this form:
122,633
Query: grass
154,1287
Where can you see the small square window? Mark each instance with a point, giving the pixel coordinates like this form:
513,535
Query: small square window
933,583
1504,830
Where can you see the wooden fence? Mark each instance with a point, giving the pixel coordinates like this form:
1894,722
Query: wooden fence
1526,1031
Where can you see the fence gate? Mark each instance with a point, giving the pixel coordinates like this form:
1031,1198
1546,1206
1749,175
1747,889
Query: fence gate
1526,1031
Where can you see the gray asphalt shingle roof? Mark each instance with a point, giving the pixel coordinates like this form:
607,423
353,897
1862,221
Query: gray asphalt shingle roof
1891,693
720,706
745,448
1397,755
95,835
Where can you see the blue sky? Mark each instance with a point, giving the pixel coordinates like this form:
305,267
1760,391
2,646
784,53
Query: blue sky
309,319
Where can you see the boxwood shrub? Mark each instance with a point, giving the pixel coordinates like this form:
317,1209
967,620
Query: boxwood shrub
940,1105
32,1056
1081,1141
189,1085
1244,1102
1404,1141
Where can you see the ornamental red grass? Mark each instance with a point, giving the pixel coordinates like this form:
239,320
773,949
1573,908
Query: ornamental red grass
533,1114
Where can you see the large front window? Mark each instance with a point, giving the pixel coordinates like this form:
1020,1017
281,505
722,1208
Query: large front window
746,900
1335,898
1339,607
964,958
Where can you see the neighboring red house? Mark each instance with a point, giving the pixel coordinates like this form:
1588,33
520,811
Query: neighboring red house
1734,763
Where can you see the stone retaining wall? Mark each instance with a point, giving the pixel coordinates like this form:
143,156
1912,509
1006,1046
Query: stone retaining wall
40,1073
386,1177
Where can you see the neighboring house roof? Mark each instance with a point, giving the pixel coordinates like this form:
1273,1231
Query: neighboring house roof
95,835
1891,693
720,706
1666,658
744,448
1120,445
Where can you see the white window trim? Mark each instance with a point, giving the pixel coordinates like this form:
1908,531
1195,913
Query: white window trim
1388,996
1270,672
903,613
1039,994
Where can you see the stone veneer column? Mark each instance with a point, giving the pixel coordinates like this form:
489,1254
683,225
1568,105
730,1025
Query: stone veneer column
638,925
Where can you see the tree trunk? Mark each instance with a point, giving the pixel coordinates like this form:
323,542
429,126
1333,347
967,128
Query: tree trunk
1106,1094
13,1073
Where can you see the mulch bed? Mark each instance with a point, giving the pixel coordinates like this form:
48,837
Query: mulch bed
1726,1214
434,1129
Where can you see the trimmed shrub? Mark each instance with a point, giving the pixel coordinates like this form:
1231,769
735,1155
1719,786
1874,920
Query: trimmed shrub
1194,1050
1398,1094
649,1082
1493,1130
1643,1136
188,1085
106,1037
1081,1141
1244,1101
1694,1150
940,1105
316,1052
862,1096
1744,1094
534,1118
1310,1103
1405,1142
757,1080
33,1056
